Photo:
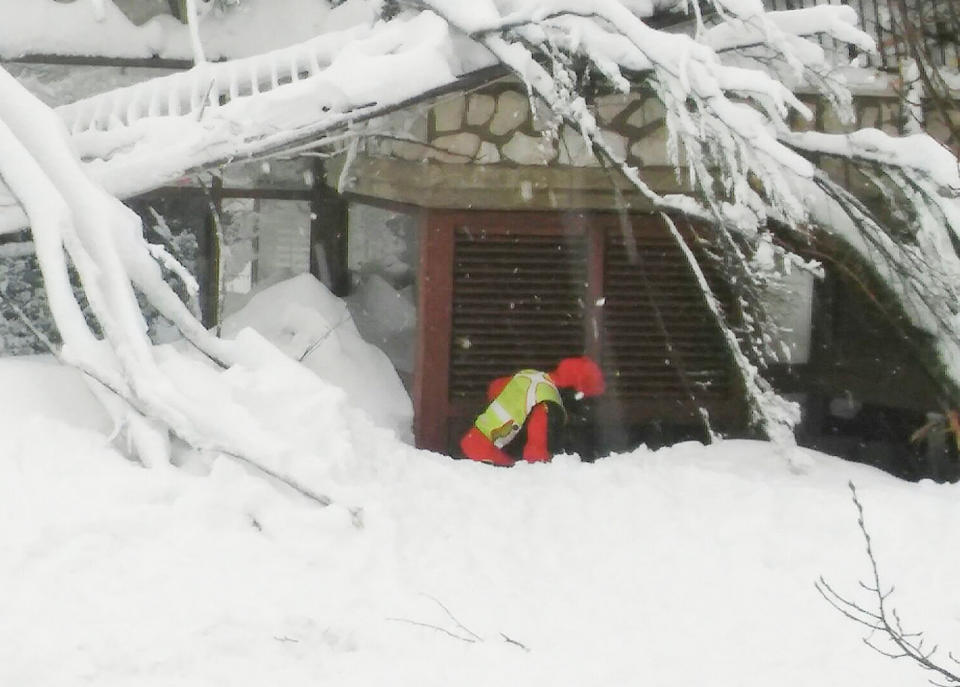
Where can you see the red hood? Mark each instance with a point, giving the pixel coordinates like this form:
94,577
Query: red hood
581,374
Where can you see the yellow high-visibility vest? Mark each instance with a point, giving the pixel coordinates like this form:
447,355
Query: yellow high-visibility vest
503,418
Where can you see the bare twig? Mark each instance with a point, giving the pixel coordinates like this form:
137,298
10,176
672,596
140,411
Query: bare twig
882,618
461,631
510,640
469,640
453,617
323,337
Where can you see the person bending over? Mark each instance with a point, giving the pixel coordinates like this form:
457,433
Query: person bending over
528,398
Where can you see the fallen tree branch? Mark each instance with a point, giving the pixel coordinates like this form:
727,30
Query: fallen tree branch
139,407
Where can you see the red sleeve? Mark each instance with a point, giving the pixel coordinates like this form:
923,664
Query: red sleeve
536,448
496,386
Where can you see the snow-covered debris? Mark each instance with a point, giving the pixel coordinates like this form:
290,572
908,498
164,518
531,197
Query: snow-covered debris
39,386
311,325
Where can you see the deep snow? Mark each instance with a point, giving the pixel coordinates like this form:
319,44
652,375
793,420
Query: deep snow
681,566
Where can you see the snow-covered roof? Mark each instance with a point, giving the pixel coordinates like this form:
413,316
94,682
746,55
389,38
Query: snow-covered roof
99,27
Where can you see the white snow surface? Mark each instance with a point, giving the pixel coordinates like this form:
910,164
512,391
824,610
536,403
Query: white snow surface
655,567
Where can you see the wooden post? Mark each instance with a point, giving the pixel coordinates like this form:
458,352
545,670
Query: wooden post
431,405
211,296
593,311
328,234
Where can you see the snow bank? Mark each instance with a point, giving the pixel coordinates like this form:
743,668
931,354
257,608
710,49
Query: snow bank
39,386
648,568
653,567
308,323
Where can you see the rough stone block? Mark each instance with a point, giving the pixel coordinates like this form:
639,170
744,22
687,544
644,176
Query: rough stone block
463,146
529,150
650,111
413,123
609,107
448,114
617,144
488,154
573,149
406,150
652,148
480,109
513,109
543,117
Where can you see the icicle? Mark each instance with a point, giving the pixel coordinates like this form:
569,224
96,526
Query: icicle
153,107
234,86
313,63
274,78
133,111
99,11
173,97
254,77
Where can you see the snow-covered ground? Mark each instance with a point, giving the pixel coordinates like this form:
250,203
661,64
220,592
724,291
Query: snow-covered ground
683,566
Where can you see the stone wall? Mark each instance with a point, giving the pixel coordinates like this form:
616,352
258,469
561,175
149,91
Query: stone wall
497,125
490,149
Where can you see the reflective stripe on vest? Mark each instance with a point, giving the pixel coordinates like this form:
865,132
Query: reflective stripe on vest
503,418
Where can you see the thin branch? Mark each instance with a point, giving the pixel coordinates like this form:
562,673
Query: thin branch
453,617
884,619
465,634
510,640
469,640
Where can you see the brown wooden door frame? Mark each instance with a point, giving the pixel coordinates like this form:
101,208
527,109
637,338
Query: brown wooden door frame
435,303
433,407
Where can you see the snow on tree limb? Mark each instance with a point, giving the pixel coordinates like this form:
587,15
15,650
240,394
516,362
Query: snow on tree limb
107,245
775,416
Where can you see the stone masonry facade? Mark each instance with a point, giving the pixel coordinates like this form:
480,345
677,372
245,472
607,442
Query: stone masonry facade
491,149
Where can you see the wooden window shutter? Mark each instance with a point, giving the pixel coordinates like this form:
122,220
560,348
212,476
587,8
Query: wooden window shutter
518,301
659,339
508,290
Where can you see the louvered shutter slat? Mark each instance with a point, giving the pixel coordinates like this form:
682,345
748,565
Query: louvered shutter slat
660,339
518,302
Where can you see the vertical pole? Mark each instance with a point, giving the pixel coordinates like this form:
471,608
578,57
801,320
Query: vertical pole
593,316
431,406
212,297
328,234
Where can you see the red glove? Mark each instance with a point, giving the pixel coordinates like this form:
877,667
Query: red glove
477,447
